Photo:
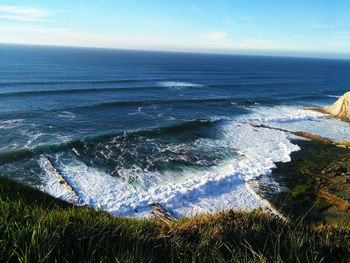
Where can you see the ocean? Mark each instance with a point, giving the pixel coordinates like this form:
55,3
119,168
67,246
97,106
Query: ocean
132,128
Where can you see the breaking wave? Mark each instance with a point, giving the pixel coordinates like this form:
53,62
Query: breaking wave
193,167
179,85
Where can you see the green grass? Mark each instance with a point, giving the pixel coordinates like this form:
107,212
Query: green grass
37,228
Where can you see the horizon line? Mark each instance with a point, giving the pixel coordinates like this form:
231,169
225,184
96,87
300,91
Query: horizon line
243,52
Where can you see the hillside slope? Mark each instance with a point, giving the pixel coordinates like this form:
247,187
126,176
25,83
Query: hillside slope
35,227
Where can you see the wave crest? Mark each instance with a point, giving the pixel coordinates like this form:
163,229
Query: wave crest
179,84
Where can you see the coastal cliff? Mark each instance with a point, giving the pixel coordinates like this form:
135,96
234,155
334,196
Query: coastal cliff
341,108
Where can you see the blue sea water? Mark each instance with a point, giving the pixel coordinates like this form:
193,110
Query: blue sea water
147,118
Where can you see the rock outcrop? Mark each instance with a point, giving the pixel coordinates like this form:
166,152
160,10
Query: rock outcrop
341,108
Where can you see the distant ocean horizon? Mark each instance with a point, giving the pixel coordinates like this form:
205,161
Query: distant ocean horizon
250,53
131,128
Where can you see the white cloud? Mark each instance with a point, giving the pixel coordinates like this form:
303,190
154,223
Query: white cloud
212,41
23,13
217,35
320,26
218,43
339,40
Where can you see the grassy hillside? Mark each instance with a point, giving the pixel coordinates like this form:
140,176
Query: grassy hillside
37,228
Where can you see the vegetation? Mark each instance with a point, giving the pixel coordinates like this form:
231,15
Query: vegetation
37,228
317,181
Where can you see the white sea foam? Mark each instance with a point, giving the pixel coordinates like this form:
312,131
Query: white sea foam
178,84
300,119
51,184
31,136
63,138
194,191
281,114
10,124
220,187
66,115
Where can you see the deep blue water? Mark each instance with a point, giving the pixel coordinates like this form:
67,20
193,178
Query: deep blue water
123,109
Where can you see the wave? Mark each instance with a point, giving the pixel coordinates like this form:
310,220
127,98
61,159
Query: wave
12,155
244,102
66,115
113,89
36,83
8,156
296,118
204,128
74,91
193,167
281,114
333,96
143,103
241,103
178,84
99,90
10,124
187,191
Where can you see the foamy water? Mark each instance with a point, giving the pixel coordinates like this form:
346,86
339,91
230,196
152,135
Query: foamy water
224,186
178,84
10,124
300,119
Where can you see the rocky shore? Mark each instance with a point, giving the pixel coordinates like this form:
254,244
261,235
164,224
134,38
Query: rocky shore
315,184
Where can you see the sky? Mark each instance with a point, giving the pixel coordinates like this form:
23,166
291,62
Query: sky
281,27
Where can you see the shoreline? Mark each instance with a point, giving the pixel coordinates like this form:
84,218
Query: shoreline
315,183
263,200
291,230
267,197
253,199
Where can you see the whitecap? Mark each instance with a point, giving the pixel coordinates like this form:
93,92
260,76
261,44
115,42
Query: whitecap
32,136
10,124
178,84
281,114
66,115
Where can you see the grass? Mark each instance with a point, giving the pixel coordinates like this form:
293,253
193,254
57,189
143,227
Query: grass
35,227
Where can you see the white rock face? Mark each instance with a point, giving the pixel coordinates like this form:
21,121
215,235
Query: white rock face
341,108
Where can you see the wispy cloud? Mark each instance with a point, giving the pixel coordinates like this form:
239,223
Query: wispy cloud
211,41
23,13
320,26
339,39
217,35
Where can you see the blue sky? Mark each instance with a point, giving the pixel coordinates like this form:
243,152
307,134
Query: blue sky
314,27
